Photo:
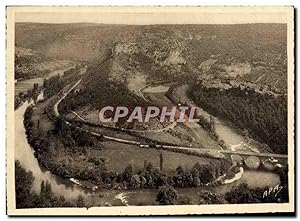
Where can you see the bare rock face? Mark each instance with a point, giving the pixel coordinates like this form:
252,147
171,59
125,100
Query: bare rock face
174,58
127,48
238,69
206,65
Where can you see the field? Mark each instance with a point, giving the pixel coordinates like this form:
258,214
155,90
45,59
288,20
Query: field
25,85
121,155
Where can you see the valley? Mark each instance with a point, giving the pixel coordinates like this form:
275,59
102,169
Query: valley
240,133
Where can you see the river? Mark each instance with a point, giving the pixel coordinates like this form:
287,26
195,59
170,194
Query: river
24,85
25,154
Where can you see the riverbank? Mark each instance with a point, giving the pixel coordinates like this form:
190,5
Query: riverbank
227,135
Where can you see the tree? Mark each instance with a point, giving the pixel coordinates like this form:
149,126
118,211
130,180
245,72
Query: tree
206,173
284,194
179,170
162,180
135,181
80,201
46,190
46,197
167,195
23,182
143,181
207,197
59,125
35,87
127,174
178,180
196,179
243,194
187,179
149,167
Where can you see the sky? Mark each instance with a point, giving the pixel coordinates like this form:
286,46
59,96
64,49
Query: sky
146,15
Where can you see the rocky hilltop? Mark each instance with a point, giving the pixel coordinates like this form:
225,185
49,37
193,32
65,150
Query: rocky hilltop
253,53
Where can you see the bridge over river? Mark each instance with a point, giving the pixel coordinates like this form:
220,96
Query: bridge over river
215,152
261,155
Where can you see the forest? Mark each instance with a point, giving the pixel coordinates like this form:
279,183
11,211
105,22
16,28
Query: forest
55,84
52,85
106,93
263,115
